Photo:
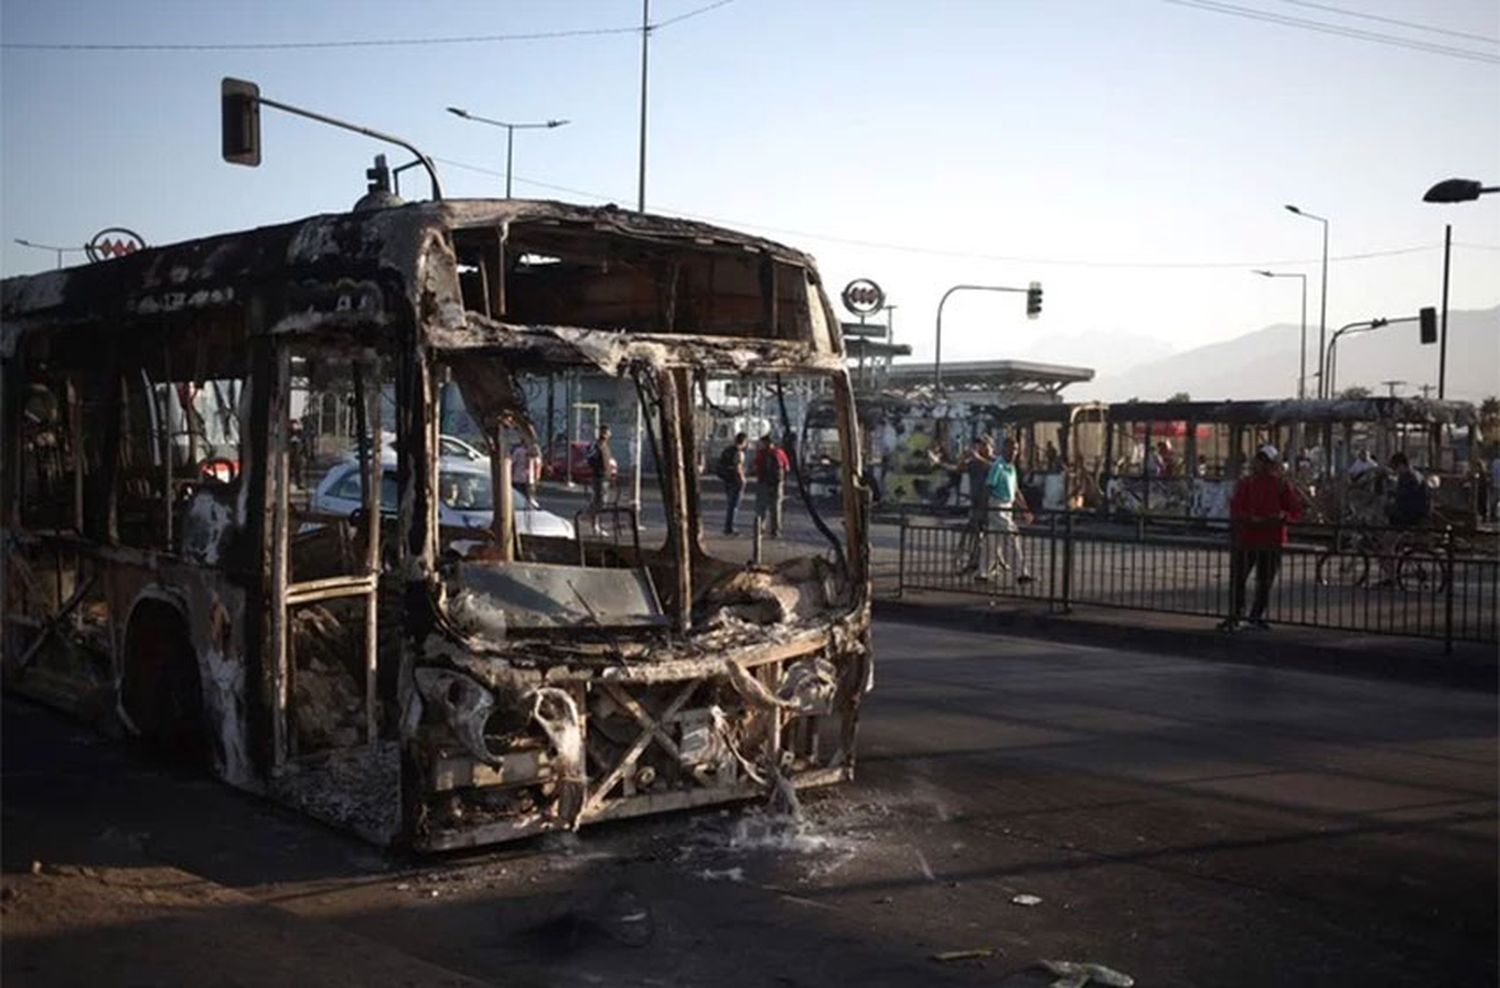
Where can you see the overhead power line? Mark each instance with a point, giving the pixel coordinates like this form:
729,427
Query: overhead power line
1393,20
1322,27
962,254
692,13
467,39
305,45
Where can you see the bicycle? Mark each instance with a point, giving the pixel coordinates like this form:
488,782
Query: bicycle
1420,567
1347,562
970,554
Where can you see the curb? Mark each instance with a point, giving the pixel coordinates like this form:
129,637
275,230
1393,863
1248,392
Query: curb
1355,656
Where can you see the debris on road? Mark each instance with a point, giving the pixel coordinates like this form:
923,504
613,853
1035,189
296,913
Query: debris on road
978,953
1076,974
735,874
1026,899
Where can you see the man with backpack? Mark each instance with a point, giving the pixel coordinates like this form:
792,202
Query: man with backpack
771,466
731,470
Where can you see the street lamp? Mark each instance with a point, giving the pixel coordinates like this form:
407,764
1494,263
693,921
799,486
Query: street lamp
1451,190
59,250
510,134
937,358
1322,294
1458,190
1301,350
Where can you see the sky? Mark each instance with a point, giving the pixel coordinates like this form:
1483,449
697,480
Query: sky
1134,156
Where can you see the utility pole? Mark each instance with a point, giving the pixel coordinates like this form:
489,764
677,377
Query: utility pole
1443,328
640,199
1392,385
1323,391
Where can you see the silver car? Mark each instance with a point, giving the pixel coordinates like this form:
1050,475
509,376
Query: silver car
466,496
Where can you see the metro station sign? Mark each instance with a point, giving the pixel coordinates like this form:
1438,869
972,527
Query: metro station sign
112,242
863,297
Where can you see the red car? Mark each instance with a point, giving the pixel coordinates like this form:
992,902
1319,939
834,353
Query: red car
557,465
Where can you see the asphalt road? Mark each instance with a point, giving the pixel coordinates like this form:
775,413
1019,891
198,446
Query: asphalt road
1183,822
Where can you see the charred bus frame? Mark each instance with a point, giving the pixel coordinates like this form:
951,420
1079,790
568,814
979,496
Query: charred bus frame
356,667
1329,431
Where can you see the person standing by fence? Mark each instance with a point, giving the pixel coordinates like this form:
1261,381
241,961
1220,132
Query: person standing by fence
1262,505
977,461
1005,494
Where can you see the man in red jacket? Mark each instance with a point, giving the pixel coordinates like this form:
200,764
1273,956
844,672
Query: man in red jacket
1262,505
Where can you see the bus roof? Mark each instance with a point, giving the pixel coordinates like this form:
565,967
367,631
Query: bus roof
211,271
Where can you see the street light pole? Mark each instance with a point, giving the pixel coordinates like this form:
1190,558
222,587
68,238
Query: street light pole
1322,295
52,247
640,199
1302,349
510,134
510,155
937,358
1451,190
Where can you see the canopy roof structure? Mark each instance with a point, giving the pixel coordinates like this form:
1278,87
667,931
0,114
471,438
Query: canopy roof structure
998,381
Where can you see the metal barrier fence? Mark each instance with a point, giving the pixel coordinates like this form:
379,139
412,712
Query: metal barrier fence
1427,584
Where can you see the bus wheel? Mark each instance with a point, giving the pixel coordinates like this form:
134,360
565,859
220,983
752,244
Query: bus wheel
160,690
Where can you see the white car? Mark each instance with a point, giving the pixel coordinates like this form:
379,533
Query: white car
467,498
456,448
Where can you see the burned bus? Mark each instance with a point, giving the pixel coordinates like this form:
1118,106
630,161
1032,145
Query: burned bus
418,665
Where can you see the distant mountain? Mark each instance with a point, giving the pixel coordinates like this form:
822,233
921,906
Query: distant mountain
1263,364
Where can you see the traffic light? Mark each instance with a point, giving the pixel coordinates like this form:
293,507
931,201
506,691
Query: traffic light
1034,300
1428,318
379,176
239,110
